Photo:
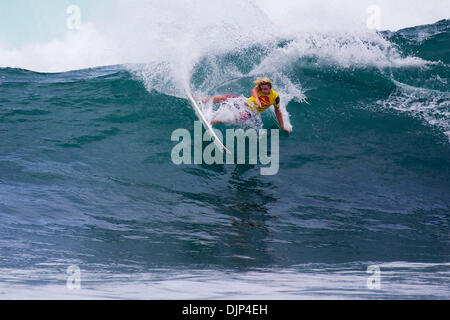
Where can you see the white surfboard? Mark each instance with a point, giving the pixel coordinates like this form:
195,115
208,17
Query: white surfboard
207,125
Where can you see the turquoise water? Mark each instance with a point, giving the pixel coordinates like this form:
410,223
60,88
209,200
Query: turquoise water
86,179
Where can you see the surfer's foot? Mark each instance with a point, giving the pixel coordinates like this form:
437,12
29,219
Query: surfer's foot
215,122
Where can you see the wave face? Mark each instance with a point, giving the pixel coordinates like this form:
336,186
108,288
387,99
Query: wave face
86,175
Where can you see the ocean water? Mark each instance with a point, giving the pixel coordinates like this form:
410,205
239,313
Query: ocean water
86,177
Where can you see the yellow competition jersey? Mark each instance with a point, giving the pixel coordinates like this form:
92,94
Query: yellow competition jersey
266,101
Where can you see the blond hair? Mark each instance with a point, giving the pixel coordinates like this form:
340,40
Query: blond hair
263,81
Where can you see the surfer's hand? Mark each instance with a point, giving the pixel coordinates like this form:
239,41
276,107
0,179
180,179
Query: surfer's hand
287,130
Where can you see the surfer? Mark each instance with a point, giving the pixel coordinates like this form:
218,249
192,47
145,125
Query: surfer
263,96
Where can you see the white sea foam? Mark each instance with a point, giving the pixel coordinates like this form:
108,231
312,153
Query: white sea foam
399,280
